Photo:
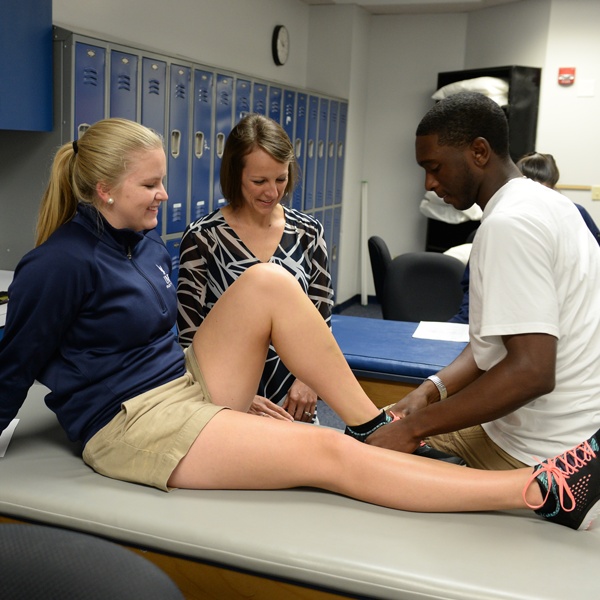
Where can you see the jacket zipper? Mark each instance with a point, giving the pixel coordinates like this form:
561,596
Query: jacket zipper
160,300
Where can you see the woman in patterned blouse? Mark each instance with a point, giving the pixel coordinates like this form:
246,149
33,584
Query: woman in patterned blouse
258,173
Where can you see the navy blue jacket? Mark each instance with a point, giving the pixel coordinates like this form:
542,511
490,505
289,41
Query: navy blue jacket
90,315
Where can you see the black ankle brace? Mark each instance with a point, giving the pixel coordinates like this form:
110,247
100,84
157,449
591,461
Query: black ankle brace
362,432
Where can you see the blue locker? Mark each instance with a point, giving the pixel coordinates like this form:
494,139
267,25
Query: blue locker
328,227
341,151
334,249
300,148
89,86
275,97
259,101
223,127
123,85
202,143
331,146
243,91
321,152
154,96
179,114
318,214
310,168
288,112
173,248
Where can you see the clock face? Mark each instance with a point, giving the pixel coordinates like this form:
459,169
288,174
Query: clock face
280,45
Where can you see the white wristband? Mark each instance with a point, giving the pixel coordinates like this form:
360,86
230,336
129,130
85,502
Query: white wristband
439,384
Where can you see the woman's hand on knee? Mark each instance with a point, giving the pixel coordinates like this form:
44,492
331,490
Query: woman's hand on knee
301,402
263,407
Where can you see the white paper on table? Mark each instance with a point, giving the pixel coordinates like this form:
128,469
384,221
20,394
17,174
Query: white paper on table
6,436
449,332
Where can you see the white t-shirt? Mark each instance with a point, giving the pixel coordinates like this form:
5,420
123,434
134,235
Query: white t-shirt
535,268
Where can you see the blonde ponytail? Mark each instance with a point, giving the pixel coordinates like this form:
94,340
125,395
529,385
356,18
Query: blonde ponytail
103,153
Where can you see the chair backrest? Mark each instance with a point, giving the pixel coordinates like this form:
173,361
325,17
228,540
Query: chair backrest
422,286
380,261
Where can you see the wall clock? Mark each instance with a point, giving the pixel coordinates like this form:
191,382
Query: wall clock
280,45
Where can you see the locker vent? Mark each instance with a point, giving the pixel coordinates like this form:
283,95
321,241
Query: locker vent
343,118
90,76
244,104
224,98
202,95
301,111
124,83
275,108
260,106
180,91
154,87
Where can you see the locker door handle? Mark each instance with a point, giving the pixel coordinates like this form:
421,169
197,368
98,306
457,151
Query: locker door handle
334,252
198,144
340,149
311,148
220,144
298,147
82,129
320,149
331,149
175,143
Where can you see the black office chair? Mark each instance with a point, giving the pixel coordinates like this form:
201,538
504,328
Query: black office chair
422,286
380,261
56,564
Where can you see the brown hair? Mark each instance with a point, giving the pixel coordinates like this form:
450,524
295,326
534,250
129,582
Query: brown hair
540,167
101,154
254,131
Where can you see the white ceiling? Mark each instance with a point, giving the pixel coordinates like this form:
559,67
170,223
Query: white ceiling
396,7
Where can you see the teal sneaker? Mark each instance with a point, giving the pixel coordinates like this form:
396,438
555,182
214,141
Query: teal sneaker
570,485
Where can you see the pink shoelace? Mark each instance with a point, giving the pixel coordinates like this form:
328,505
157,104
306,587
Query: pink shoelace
561,475
396,417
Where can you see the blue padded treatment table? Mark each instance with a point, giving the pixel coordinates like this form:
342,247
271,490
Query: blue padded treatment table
292,544
385,358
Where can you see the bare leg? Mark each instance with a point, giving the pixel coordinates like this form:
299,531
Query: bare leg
259,454
266,303
249,452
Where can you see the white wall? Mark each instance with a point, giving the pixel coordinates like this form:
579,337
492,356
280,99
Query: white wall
569,124
406,54
513,34
231,34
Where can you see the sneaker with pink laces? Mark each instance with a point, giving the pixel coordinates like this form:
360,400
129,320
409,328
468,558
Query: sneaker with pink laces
570,485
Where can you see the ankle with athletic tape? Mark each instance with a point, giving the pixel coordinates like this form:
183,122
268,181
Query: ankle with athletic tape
362,432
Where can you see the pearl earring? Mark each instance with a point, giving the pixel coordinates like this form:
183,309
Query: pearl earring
110,201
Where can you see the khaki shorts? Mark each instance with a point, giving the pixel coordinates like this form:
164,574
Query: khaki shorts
476,447
146,440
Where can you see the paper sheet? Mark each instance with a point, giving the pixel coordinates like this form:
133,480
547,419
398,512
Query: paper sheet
449,332
6,436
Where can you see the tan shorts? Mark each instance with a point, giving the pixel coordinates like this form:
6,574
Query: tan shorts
154,431
476,447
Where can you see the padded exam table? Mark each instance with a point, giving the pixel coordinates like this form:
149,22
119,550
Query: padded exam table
386,359
292,544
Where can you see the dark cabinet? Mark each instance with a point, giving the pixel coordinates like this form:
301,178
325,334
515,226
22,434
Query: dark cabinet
522,115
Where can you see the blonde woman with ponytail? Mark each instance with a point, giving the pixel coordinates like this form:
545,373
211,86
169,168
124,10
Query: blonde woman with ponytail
91,314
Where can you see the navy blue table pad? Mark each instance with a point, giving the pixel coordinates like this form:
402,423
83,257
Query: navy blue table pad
386,349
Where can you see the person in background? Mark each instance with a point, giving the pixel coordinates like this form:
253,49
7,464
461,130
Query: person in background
542,168
258,173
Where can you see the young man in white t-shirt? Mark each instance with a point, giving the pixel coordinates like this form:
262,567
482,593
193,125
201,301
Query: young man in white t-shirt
527,387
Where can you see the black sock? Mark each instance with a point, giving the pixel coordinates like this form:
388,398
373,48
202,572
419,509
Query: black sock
362,432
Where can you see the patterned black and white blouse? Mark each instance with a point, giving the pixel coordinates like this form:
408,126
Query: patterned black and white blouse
212,257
